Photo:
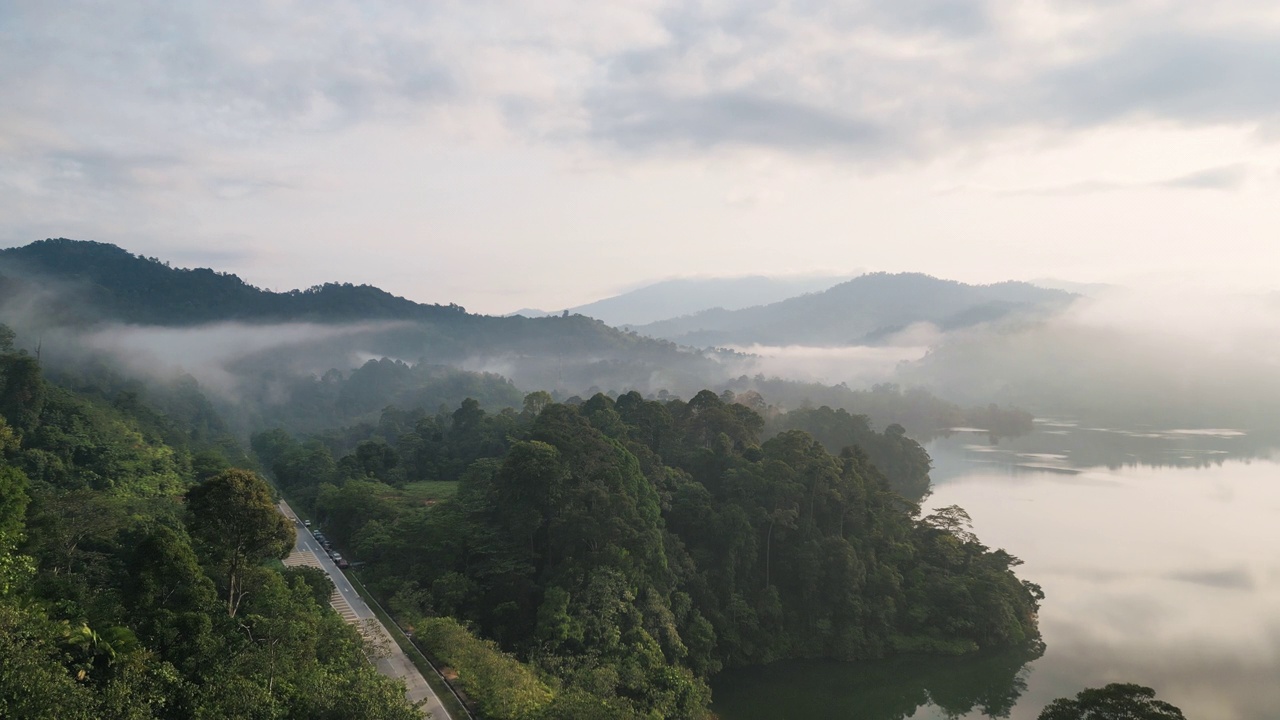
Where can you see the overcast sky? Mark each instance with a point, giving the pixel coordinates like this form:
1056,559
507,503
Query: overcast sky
546,153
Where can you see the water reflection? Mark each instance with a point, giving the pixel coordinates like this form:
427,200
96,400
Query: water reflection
1156,552
907,687
1062,446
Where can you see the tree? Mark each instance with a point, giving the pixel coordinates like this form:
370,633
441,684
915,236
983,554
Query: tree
953,520
33,681
13,498
169,597
236,524
207,463
535,401
22,390
1117,701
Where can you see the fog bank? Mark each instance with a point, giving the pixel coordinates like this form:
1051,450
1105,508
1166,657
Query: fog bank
1157,357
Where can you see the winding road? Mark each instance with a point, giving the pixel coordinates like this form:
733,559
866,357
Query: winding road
354,610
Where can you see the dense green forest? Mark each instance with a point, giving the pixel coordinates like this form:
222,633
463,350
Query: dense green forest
139,573
923,414
590,554
604,557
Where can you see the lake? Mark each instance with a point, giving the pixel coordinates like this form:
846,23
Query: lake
1157,551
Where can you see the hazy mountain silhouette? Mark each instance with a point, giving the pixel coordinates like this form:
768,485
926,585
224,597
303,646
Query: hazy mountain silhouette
865,310
682,296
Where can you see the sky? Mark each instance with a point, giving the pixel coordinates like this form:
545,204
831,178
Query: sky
548,153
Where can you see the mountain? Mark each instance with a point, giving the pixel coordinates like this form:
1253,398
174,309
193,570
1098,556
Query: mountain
529,313
865,310
682,296
105,282
181,317
339,354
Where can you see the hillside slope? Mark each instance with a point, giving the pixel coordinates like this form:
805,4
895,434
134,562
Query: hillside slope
105,282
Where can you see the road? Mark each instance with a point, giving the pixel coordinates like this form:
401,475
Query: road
353,608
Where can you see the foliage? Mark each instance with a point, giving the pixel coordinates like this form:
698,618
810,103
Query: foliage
503,688
107,604
921,413
1116,701
625,550
901,460
235,522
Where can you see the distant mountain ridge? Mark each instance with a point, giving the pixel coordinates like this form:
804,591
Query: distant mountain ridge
865,310
683,296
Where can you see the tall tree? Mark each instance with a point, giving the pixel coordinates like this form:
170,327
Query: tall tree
234,521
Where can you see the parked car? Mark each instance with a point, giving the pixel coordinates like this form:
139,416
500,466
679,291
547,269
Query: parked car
307,523
342,563
337,557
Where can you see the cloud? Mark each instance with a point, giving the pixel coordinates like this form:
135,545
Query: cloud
919,79
1227,177
731,119
1226,579
1188,77
297,126
913,78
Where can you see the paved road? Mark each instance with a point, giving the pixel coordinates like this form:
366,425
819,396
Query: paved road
352,607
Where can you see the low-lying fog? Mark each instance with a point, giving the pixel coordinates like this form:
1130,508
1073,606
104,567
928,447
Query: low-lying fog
854,365
1157,357
1162,359
1153,357
210,353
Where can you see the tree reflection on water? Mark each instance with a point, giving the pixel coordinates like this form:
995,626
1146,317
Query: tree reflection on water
894,689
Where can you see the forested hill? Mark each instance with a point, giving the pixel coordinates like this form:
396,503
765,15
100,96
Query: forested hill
865,310
88,285
140,575
108,282
624,550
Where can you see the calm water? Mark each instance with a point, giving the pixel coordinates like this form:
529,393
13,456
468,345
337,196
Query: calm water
1158,554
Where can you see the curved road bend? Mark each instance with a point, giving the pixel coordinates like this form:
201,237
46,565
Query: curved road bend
353,608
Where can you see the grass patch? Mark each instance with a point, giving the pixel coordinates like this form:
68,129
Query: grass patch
456,711
428,491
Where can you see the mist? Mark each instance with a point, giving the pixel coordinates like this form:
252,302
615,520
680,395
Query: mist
854,365
1155,357
212,353
1162,358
